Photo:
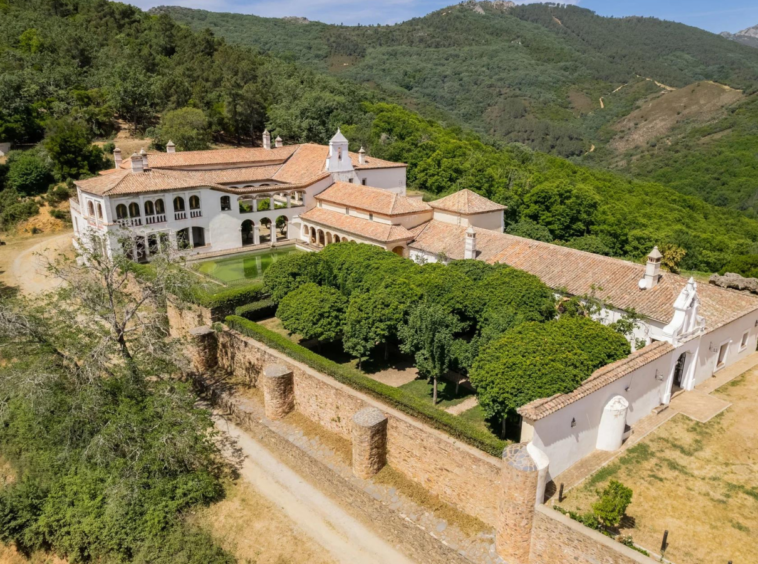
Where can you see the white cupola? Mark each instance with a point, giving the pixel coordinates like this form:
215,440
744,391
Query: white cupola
652,270
278,141
170,147
362,156
339,157
266,139
469,251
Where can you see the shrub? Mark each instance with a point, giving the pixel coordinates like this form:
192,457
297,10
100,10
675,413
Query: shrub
58,194
224,301
746,265
109,147
314,312
590,244
520,292
257,310
530,230
613,502
396,397
538,360
28,173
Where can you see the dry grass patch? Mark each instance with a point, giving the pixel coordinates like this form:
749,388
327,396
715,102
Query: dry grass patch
468,524
255,531
9,555
696,480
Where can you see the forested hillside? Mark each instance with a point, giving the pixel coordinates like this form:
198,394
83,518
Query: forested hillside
533,74
92,66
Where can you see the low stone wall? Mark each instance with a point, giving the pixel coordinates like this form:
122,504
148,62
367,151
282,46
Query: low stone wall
460,475
418,544
182,320
557,539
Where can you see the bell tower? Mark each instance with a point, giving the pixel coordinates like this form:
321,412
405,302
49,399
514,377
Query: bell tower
338,162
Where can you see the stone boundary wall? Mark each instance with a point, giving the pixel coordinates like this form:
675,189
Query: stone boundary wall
460,475
557,539
406,536
182,320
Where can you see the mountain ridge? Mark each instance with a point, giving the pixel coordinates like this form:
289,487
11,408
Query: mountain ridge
748,36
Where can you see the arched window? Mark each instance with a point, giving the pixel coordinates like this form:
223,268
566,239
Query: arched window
149,208
99,211
194,203
90,208
178,204
134,209
121,212
159,207
226,203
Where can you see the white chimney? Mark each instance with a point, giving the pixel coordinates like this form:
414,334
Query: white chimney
137,161
362,156
652,270
266,139
470,249
117,157
278,142
170,147
143,154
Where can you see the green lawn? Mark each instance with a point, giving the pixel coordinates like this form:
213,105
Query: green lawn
241,269
446,396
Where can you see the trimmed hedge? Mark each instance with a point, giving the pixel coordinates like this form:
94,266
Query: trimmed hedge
396,397
227,299
257,310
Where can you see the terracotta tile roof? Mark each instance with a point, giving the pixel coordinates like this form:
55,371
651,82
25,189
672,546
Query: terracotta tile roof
217,157
310,158
125,182
575,272
371,199
380,232
600,378
466,202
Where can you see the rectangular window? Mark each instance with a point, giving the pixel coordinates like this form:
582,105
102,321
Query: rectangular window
371,216
743,342
363,181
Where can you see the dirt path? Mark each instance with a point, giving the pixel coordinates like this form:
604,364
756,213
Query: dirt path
347,540
20,267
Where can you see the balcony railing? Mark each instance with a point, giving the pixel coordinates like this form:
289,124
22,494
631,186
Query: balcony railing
180,215
130,222
196,213
157,218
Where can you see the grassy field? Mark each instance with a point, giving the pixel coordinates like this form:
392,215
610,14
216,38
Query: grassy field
446,396
696,480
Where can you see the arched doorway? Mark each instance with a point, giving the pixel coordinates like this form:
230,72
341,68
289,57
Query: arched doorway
336,238
399,251
329,239
313,236
679,373
282,226
321,238
198,237
266,232
247,233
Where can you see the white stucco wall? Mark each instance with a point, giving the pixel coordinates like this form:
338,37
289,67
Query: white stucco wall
388,178
566,445
730,333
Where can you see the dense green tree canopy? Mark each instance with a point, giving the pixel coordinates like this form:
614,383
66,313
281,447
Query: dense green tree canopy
538,360
314,312
188,128
290,272
28,173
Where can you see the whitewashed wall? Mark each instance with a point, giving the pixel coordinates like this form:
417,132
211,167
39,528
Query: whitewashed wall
730,333
566,445
388,178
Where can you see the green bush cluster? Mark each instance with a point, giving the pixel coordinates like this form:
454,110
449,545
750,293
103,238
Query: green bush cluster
257,310
538,360
396,397
223,302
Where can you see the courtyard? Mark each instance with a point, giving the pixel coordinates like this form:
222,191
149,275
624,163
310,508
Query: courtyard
694,479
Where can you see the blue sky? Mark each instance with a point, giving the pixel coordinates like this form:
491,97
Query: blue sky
726,15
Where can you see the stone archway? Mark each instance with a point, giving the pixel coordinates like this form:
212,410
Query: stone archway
247,230
399,251
321,238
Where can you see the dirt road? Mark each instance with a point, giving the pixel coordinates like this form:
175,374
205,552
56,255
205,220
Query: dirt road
20,267
346,539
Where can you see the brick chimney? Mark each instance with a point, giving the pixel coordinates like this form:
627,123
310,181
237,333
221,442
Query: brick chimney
266,139
170,147
137,166
278,142
362,156
117,157
470,249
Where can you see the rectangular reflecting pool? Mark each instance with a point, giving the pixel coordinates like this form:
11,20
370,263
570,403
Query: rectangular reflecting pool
240,269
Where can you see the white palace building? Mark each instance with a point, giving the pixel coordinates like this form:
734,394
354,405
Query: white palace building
233,200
